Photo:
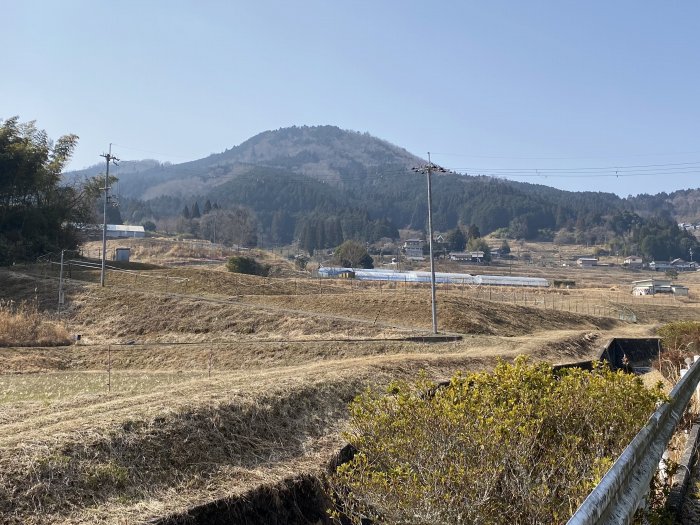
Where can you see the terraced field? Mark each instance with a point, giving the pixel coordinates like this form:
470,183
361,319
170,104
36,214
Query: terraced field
219,383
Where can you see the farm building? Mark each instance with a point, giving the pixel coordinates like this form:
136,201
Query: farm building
587,262
414,249
440,277
475,256
679,289
125,230
683,266
677,264
633,261
654,286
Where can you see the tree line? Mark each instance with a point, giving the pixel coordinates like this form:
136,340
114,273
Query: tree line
38,214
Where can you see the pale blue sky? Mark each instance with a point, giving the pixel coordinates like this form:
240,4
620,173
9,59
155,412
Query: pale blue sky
486,86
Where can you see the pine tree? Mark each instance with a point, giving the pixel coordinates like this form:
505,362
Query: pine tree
186,213
195,211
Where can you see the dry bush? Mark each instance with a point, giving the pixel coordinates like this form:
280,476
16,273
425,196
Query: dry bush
518,445
23,325
680,341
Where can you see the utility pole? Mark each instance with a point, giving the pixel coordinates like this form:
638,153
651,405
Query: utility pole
428,170
60,285
108,158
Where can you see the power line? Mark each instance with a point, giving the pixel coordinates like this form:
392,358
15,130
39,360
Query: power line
564,157
602,168
573,175
380,174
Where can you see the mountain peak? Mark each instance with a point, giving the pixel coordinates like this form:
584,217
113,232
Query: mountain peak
313,150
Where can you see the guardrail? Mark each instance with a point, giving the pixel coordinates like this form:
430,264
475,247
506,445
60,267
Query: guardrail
624,487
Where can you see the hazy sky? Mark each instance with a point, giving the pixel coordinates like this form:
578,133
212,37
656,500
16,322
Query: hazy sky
488,87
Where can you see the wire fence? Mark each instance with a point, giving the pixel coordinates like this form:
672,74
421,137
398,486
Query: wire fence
617,304
144,367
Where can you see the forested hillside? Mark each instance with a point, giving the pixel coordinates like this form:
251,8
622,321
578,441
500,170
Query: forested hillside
322,185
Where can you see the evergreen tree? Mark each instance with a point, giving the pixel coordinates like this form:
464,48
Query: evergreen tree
505,248
455,240
195,211
282,227
473,232
207,207
186,213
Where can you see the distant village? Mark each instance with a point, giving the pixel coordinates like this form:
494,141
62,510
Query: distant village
414,250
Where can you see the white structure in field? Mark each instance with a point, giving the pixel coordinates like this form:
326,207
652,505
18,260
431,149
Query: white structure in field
440,277
474,256
654,286
633,261
125,230
587,262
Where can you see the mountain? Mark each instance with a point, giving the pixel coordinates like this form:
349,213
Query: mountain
324,184
325,153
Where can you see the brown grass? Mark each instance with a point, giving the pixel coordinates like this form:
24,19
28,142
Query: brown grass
286,355
22,325
146,454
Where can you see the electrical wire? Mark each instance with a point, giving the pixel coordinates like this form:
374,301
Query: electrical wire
379,172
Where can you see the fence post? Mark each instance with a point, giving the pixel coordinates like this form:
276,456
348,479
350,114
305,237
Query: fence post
210,359
109,368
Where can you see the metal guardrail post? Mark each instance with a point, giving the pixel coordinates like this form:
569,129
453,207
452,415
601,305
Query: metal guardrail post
624,487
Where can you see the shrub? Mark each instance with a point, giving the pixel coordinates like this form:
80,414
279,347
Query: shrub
300,261
247,265
519,445
681,335
353,254
680,340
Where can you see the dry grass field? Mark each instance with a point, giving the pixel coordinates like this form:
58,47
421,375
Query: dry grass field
21,324
191,383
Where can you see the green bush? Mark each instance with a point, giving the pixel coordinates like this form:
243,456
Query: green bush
247,265
519,445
